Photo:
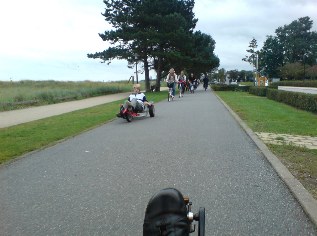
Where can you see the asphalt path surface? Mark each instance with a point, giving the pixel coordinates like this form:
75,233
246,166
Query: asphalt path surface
299,89
99,182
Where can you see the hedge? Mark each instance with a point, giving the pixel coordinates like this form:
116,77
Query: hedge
225,87
307,102
258,91
301,83
302,101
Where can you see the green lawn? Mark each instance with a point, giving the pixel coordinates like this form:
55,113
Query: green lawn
264,115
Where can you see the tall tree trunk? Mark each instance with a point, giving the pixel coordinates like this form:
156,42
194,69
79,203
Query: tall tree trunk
158,75
147,76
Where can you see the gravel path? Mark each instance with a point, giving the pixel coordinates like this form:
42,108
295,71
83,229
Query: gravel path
99,182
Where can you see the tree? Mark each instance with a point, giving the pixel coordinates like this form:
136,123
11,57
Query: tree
244,75
151,29
197,56
312,72
293,43
298,41
271,56
292,71
250,76
201,57
233,75
220,75
252,59
174,27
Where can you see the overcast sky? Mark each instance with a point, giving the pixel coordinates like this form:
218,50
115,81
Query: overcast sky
50,39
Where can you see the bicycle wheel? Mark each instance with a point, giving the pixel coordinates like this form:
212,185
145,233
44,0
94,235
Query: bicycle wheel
152,111
201,223
129,117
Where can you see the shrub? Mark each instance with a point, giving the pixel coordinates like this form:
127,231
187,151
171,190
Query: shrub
258,91
302,101
225,87
220,87
245,88
46,96
19,98
301,83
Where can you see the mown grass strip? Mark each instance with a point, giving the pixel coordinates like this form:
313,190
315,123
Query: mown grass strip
301,162
264,115
24,138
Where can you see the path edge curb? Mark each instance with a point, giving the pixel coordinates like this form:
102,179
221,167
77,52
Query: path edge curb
305,199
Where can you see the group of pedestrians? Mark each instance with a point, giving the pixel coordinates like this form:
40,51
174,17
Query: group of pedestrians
184,83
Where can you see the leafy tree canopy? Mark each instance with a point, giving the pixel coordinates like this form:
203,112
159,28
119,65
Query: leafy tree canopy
252,59
159,32
202,54
293,43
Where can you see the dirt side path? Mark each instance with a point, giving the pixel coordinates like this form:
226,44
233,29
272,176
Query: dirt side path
10,118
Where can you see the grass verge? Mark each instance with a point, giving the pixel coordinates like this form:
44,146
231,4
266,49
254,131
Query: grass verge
24,138
264,115
301,162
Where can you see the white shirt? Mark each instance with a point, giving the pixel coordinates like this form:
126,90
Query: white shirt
139,96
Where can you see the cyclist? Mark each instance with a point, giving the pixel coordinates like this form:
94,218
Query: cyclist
182,83
192,82
206,81
137,100
171,79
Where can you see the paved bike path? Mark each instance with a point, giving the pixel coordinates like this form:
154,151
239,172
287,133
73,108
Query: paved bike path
99,182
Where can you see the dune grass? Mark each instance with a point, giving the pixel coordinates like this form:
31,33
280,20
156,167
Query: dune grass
25,93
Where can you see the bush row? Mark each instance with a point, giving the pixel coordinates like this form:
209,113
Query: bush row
225,87
307,102
302,83
258,91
